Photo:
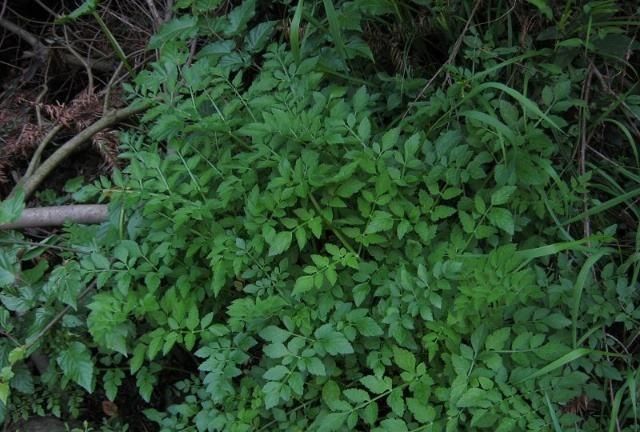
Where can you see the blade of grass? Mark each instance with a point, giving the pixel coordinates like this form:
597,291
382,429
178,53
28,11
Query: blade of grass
627,134
552,413
527,104
294,32
581,280
491,121
565,359
554,248
615,408
633,395
334,27
604,206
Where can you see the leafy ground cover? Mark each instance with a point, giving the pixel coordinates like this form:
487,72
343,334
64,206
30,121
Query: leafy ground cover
365,215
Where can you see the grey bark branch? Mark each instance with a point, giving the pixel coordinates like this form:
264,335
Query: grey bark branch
58,215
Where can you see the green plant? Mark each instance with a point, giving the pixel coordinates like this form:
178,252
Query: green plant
307,251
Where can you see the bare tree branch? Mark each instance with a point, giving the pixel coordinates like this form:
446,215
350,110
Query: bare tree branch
58,215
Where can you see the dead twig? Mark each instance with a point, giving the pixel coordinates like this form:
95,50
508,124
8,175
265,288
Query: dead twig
35,159
59,215
108,89
24,34
80,59
154,13
30,184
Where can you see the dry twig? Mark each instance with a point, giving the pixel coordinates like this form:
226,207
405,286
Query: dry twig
30,184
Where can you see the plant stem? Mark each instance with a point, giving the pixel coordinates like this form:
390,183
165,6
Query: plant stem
337,233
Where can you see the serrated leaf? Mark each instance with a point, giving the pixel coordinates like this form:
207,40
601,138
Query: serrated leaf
380,221
332,422
259,36
421,412
280,243
76,364
474,397
356,395
404,359
239,17
181,28
497,340
502,195
349,187
374,384
333,341
315,366
276,373
11,208
395,400
502,218
112,380
367,326
274,334
303,284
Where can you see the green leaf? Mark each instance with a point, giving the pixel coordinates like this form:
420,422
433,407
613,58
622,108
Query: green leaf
420,411
11,208
274,334
556,321
497,340
303,284
442,212
239,17
8,269
280,243
404,359
380,221
356,395
76,364
332,341
474,397
332,422
276,373
395,400
259,36
86,8
181,28
502,218
543,6
367,326
316,367
4,392
349,187
330,393
502,195
394,425
112,381
374,384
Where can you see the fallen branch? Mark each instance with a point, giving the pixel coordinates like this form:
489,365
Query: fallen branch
58,216
30,184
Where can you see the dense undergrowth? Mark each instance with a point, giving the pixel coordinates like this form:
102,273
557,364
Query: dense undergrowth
364,215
